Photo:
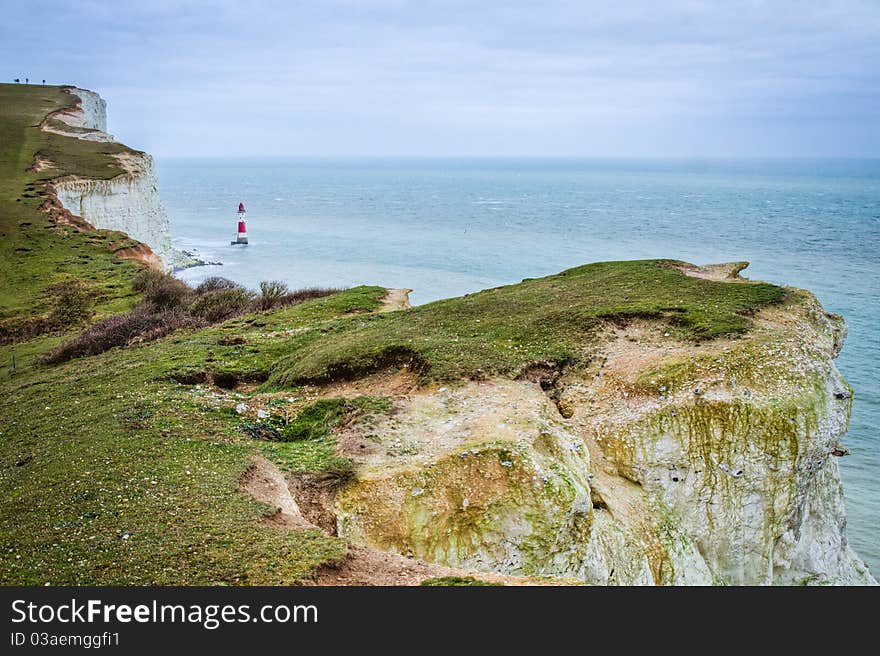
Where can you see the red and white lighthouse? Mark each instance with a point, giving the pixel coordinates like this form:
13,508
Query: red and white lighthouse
241,237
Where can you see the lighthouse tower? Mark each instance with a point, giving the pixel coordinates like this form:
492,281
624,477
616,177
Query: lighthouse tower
241,237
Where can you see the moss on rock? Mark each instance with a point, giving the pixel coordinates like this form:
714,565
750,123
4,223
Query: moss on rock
500,506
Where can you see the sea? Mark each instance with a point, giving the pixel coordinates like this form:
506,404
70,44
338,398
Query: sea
446,227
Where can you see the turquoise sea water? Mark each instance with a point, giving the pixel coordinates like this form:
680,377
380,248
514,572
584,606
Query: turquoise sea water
447,227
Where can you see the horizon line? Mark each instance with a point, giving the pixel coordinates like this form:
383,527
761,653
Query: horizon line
621,158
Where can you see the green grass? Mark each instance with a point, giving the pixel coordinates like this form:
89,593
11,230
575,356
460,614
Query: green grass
503,330
113,471
36,255
105,447
317,420
111,445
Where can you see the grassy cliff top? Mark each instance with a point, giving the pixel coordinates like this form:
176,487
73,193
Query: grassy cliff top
124,467
504,330
35,255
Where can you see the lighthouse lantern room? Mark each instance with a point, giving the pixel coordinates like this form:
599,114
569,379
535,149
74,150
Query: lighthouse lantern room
241,236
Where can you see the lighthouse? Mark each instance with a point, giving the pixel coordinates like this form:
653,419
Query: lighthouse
241,237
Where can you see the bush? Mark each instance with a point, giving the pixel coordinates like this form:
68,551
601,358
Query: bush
20,329
147,280
272,293
221,304
307,294
73,305
167,322
160,290
168,304
216,284
119,330
168,294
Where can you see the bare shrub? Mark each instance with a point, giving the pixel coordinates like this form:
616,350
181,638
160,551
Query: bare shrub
221,304
148,279
168,294
272,293
73,305
20,329
119,330
168,304
215,284
161,290
307,294
168,322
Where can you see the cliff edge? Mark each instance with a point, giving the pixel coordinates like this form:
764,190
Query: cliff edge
660,460
635,423
128,202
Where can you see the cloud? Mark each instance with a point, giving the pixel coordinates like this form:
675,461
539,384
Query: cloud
445,78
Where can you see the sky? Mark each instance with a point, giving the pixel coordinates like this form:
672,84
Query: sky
678,78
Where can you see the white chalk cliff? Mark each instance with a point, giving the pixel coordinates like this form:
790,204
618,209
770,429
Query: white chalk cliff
129,202
90,113
663,463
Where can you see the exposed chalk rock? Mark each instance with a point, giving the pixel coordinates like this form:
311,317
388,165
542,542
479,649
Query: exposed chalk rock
502,491
129,202
90,113
628,477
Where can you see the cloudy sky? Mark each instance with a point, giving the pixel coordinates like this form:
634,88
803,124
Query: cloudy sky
445,78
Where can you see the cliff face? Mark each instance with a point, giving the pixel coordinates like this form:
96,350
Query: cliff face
90,114
662,462
129,202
